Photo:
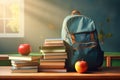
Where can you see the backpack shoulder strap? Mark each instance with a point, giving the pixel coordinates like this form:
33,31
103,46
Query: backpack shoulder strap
73,38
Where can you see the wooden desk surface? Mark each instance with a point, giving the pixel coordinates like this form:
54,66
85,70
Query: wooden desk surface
105,73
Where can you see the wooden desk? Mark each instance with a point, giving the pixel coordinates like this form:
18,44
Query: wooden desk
109,60
3,57
110,73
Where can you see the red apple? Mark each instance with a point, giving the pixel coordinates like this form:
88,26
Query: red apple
24,49
81,66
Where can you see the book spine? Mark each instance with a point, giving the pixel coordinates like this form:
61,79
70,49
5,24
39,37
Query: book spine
52,47
24,64
53,41
52,60
52,70
53,63
51,67
54,50
55,53
25,67
24,70
25,58
53,44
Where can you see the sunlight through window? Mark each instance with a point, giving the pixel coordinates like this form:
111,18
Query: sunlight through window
11,18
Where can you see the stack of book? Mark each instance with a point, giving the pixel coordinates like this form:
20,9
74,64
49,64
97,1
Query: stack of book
55,56
24,63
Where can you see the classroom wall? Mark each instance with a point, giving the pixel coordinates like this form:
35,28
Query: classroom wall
43,19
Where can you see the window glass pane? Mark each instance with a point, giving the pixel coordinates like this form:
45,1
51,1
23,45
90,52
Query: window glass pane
8,11
12,9
1,13
12,26
1,26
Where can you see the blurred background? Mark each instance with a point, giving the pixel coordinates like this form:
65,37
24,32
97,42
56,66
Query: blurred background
43,19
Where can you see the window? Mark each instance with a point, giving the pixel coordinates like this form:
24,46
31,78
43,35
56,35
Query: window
11,18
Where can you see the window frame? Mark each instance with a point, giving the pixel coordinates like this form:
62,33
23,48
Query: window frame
20,21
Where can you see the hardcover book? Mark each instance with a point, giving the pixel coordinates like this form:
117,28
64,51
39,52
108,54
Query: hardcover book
55,56
53,48
23,61
53,70
24,70
25,64
26,58
54,42
25,67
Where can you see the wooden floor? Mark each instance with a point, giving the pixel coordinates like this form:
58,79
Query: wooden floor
111,73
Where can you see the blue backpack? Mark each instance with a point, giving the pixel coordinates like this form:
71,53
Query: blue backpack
81,34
